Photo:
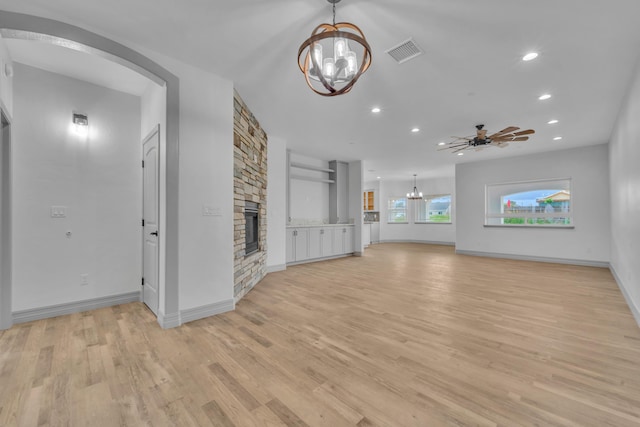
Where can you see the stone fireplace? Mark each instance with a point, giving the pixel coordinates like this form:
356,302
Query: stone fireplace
251,227
250,199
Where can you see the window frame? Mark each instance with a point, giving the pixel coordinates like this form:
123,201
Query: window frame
534,216
405,209
416,216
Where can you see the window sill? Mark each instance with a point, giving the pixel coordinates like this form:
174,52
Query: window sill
397,223
564,227
433,222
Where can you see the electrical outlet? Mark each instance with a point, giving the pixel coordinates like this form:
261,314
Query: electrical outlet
84,279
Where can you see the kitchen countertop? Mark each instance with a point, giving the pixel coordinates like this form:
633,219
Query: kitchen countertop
319,225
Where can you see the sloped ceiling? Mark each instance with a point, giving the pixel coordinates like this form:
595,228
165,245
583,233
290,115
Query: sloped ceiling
471,71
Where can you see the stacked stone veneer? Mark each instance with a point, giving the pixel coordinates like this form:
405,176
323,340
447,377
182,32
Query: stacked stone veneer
250,184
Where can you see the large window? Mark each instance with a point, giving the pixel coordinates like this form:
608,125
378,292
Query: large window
434,209
397,210
541,203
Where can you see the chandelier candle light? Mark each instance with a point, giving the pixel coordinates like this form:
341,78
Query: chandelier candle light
414,195
327,59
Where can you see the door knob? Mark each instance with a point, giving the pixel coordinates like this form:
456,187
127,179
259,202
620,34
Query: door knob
154,233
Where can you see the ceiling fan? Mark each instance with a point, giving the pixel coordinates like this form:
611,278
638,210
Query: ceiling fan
499,139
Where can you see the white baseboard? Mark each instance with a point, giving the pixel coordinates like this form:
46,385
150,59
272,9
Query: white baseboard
425,242
73,307
306,261
635,310
277,267
586,263
168,321
196,313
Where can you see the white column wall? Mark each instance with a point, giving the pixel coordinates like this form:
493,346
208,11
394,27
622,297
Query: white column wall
624,170
276,204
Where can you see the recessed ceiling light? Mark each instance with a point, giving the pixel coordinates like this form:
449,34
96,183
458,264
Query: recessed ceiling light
543,97
379,177
441,143
375,110
460,154
529,56
415,130
552,122
557,138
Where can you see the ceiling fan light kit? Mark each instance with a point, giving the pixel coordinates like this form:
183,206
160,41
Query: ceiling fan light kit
328,60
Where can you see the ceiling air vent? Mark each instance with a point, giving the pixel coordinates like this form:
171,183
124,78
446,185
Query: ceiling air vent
405,51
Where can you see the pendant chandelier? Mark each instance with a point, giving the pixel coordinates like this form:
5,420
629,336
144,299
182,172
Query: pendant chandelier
415,194
329,58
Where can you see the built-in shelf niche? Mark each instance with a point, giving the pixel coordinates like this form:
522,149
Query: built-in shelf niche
303,166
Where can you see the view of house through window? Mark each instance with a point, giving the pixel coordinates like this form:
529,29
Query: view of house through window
434,208
543,203
397,210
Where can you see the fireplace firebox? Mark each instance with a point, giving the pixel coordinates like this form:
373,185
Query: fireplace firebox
252,229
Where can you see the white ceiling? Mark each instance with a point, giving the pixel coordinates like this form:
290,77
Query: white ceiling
471,71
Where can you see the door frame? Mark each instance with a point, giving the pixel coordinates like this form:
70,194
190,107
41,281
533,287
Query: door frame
29,27
6,282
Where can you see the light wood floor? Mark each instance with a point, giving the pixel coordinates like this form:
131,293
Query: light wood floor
408,335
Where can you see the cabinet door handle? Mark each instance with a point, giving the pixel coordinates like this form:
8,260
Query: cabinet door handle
295,232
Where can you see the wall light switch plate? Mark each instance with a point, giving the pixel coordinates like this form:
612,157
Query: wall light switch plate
210,211
58,211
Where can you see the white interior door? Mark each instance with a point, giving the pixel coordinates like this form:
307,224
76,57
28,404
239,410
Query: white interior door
150,214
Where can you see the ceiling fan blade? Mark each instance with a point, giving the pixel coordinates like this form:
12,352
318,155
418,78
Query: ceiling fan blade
524,132
460,149
509,138
503,131
453,146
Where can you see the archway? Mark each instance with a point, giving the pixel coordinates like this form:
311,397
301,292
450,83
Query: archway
14,25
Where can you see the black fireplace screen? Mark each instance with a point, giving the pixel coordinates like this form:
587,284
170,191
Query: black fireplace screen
251,227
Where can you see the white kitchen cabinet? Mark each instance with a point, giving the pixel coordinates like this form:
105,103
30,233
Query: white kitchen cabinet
315,250
366,234
343,240
313,242
297,244
375,232
326,242
348,242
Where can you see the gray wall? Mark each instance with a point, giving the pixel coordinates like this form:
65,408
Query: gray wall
624,169
98,179
432,233
588,242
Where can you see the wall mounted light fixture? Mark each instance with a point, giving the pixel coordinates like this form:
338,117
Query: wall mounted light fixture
81,124
80,119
